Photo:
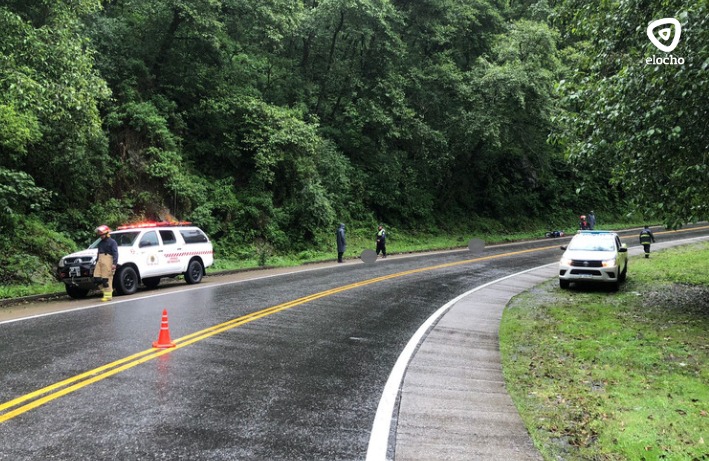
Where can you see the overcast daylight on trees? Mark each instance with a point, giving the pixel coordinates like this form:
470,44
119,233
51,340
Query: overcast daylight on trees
273,121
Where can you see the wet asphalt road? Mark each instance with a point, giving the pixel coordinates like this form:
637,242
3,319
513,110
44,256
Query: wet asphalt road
299,382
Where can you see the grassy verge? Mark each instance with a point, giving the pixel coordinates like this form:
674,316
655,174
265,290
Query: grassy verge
358,240
18,291
357,244
600,375
397,243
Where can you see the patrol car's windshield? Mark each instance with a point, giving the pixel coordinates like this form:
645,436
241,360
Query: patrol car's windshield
592,242
123,239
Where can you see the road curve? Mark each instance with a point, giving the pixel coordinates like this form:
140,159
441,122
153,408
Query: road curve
269,367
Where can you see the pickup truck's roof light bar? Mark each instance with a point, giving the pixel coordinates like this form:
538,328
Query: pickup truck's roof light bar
151,224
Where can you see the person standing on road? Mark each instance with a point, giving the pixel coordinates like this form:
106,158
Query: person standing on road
107,261
646,238
341,243
583,224
591,220
381,241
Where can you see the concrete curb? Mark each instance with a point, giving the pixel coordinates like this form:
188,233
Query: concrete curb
454,403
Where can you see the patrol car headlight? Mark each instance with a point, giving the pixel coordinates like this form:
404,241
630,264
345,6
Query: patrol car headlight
61,263
565,261
609,263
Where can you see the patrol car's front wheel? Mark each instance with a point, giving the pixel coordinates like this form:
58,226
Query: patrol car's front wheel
194,272
126,280
624,273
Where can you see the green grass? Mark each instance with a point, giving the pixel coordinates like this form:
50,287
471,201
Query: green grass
18,291
358,240
601,375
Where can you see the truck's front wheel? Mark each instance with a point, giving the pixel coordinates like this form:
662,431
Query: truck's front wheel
76,292
126,280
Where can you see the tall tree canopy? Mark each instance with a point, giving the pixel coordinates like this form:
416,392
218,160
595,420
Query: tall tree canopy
274,120
642,124
50,97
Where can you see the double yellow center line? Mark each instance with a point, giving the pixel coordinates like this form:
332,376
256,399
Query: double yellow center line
45,395
35,399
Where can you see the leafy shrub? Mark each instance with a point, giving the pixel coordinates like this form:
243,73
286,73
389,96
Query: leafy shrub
18,195
33,253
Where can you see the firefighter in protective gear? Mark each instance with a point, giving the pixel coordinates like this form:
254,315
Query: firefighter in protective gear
646,238
107,261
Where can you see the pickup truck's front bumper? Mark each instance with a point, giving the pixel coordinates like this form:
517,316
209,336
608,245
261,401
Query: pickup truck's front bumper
78,275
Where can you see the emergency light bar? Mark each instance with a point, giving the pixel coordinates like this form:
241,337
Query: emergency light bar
150,224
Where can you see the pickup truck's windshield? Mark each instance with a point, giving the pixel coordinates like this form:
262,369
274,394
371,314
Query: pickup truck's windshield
123,239
592,243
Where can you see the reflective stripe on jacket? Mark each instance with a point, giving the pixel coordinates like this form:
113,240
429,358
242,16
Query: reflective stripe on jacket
646,237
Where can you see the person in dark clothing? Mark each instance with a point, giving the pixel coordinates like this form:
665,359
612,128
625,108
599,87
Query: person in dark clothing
106,262
583,224
646,238
381,242
341,243
591,220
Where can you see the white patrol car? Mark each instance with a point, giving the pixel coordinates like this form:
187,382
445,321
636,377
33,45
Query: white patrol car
147,252
594,256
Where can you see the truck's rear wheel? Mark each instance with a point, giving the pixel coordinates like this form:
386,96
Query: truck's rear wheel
194,272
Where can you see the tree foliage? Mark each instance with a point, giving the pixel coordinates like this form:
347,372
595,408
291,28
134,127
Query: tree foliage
269,122
642,124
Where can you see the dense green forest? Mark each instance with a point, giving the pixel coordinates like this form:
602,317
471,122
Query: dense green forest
274,120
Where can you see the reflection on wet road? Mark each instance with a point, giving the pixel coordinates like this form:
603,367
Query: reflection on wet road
288,367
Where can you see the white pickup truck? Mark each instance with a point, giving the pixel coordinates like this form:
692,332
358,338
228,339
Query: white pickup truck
147,252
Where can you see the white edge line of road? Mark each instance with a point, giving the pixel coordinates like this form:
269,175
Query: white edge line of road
379,438
210,285
381,428
201,286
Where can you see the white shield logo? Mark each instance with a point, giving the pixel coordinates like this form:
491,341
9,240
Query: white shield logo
664,33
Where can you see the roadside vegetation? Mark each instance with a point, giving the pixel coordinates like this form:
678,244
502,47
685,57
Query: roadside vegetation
35,275
599,375
268,123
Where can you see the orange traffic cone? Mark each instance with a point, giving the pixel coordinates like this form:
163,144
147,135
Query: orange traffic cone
163,341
